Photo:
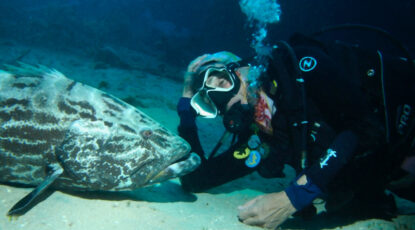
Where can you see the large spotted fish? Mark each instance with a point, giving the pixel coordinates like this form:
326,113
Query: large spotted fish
61,133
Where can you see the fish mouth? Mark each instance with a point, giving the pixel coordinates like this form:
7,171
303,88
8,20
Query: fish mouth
179,168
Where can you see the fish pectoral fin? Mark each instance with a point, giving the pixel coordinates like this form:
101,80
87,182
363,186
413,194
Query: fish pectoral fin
21,206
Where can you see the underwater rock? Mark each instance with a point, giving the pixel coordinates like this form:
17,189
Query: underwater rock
108,56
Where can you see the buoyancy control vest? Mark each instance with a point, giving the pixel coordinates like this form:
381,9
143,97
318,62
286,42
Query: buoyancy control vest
368,67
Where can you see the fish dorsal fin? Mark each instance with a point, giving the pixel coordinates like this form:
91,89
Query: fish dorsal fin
20,207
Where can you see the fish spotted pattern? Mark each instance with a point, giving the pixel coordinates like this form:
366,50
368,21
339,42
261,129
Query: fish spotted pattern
102,143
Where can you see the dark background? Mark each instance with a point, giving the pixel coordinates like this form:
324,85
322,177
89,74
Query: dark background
179,30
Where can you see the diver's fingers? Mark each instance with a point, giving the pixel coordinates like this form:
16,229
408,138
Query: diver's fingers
247,204
254,221
247,210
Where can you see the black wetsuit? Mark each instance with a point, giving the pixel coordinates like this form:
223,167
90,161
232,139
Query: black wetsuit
345,117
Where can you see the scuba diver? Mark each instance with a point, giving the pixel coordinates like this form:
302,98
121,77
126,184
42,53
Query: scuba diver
340,115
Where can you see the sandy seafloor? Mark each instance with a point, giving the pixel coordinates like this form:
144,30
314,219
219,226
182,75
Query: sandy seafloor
163,206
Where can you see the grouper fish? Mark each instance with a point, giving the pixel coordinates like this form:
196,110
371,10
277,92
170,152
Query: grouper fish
64,134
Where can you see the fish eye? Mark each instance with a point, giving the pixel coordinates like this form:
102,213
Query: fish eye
147,133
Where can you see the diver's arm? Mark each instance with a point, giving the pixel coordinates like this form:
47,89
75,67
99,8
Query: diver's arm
336,157
313,181
212,172
187,128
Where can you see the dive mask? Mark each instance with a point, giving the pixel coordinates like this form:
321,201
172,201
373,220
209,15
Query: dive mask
219,86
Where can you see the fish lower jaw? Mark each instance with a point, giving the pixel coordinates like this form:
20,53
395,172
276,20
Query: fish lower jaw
177,169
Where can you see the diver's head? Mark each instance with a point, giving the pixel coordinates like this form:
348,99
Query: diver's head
197,68
221,88
223,92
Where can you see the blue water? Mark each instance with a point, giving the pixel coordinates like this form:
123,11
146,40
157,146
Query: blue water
179,30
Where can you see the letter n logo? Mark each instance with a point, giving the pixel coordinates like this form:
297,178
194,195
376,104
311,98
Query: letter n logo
307,64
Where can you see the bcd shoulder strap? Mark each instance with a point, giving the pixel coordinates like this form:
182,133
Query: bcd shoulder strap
291,97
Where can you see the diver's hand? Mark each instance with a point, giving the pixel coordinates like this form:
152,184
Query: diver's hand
191,73
267,211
